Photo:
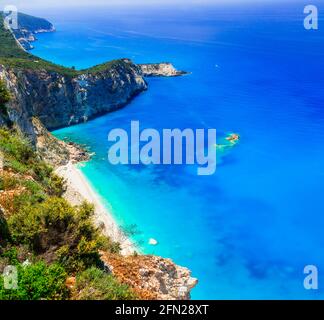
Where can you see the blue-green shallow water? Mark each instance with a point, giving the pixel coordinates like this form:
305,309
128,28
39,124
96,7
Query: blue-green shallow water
249,230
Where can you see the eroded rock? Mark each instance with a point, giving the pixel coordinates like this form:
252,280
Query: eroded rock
152,277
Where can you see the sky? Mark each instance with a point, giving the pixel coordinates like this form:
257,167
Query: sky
29,4
45,7
61,3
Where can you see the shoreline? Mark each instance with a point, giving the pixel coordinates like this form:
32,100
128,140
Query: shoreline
159,276
79,189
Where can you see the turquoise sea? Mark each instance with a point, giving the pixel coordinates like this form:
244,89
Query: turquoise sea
248,230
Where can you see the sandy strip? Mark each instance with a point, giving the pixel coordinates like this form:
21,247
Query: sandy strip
78,190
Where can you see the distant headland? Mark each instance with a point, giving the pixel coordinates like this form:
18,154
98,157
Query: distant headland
59,96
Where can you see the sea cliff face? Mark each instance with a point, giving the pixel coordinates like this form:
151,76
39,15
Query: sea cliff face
59,100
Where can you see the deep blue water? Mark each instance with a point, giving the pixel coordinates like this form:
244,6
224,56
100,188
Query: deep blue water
249,230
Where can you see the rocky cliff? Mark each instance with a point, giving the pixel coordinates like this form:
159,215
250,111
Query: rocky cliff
60,100
60,96
151,277
54,151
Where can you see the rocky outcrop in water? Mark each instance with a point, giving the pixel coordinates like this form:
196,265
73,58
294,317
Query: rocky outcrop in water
164,69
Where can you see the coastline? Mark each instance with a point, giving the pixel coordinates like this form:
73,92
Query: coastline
79,189
153,277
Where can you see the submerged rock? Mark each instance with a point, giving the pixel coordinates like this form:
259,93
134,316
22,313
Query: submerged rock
233,137
152,242
228,142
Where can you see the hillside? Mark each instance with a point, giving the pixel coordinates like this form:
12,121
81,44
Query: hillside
33,24
12,55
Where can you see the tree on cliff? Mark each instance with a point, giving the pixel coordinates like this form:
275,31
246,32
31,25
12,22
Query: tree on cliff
4,94
4,98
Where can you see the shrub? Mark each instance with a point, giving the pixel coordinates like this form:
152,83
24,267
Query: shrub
8,182
95,284
40,224
37,281
4,230
54,223
4,94
16,147
11,254
15,165
35,192
42,171
21,158
55,185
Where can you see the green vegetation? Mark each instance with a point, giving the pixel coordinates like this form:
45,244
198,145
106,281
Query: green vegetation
11,54
4,95
54,223
107,65
9,48
94,284
41,228
4,98
37,281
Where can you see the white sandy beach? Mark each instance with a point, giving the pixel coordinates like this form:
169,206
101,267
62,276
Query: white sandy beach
78,190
